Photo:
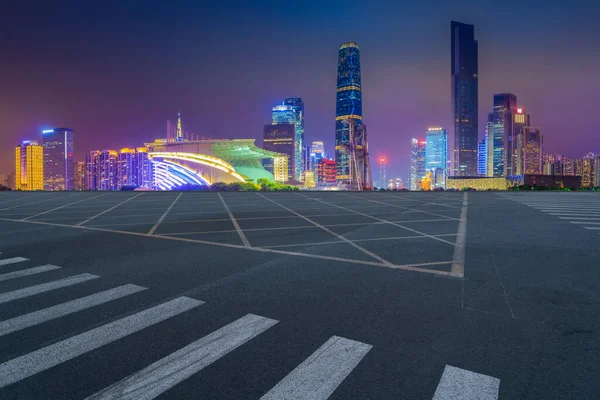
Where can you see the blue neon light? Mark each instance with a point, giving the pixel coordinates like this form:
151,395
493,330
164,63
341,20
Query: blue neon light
48,131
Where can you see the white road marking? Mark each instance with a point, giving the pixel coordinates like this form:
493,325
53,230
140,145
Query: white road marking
407,267
392,223
47,357
402,207
461,384
356,240
237,226
36,202
58,208
105,211
27,272
585,222
458,263
70,307
317,377
367,252
45,287
162,217
576,218
13,260
162,375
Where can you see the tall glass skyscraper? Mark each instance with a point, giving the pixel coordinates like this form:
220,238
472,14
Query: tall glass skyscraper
58,158
417,163
348,106
482,157
436,154
292,112
464,99
29,173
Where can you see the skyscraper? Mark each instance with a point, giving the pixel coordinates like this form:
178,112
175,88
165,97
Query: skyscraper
530,143
588,170
29,163
179,132
91,170
280,138
317,152
306,160
464,99
326,173
417,163
348,106
436,153
298,108
58,158
127,174
143,168
106,170
482,156
79,175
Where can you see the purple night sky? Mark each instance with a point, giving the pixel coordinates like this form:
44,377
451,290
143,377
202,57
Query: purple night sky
114,71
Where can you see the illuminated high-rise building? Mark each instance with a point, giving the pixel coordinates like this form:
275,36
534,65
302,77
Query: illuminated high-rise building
530,144
482,156
79,175
29,164
58,158
465,99
127,175
292,112
280,138
281,168
298,107
179,132
436,153
91,170
309,179
107,171
317,152
417,163
143,168
326,173
348,107
588,170
306,160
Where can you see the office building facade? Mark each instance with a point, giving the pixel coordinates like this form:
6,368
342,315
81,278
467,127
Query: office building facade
143,168
348,107
588,170
127,171
280,138
465,99
482,156
29,166
292,112
530,144
436,153
58,158
326,173
79,175
417,163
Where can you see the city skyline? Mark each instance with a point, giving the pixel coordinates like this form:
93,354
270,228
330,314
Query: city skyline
421,98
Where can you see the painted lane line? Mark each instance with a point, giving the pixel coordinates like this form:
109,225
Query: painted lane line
45,287
595,228
461,384
407,267
356,246
36,202
458,263
47,357
27,272
162,375
105,211
585,223
317,377
58,208
579,218
13,260
235,223
402,207
162,217
356,240
394,223
70,307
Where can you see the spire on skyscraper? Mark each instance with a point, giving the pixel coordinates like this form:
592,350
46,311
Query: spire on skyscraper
179,131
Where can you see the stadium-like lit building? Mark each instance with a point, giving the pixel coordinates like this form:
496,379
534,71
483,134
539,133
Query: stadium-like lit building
204,162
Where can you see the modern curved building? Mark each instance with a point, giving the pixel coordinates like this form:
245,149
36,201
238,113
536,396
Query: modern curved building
348,106
204,162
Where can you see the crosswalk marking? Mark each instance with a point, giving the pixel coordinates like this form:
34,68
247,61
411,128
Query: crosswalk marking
13,260
159,377
461,384
70,307
578,210
40,360
27,272
45,287
318,376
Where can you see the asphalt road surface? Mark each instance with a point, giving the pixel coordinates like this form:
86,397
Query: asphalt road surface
142,295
